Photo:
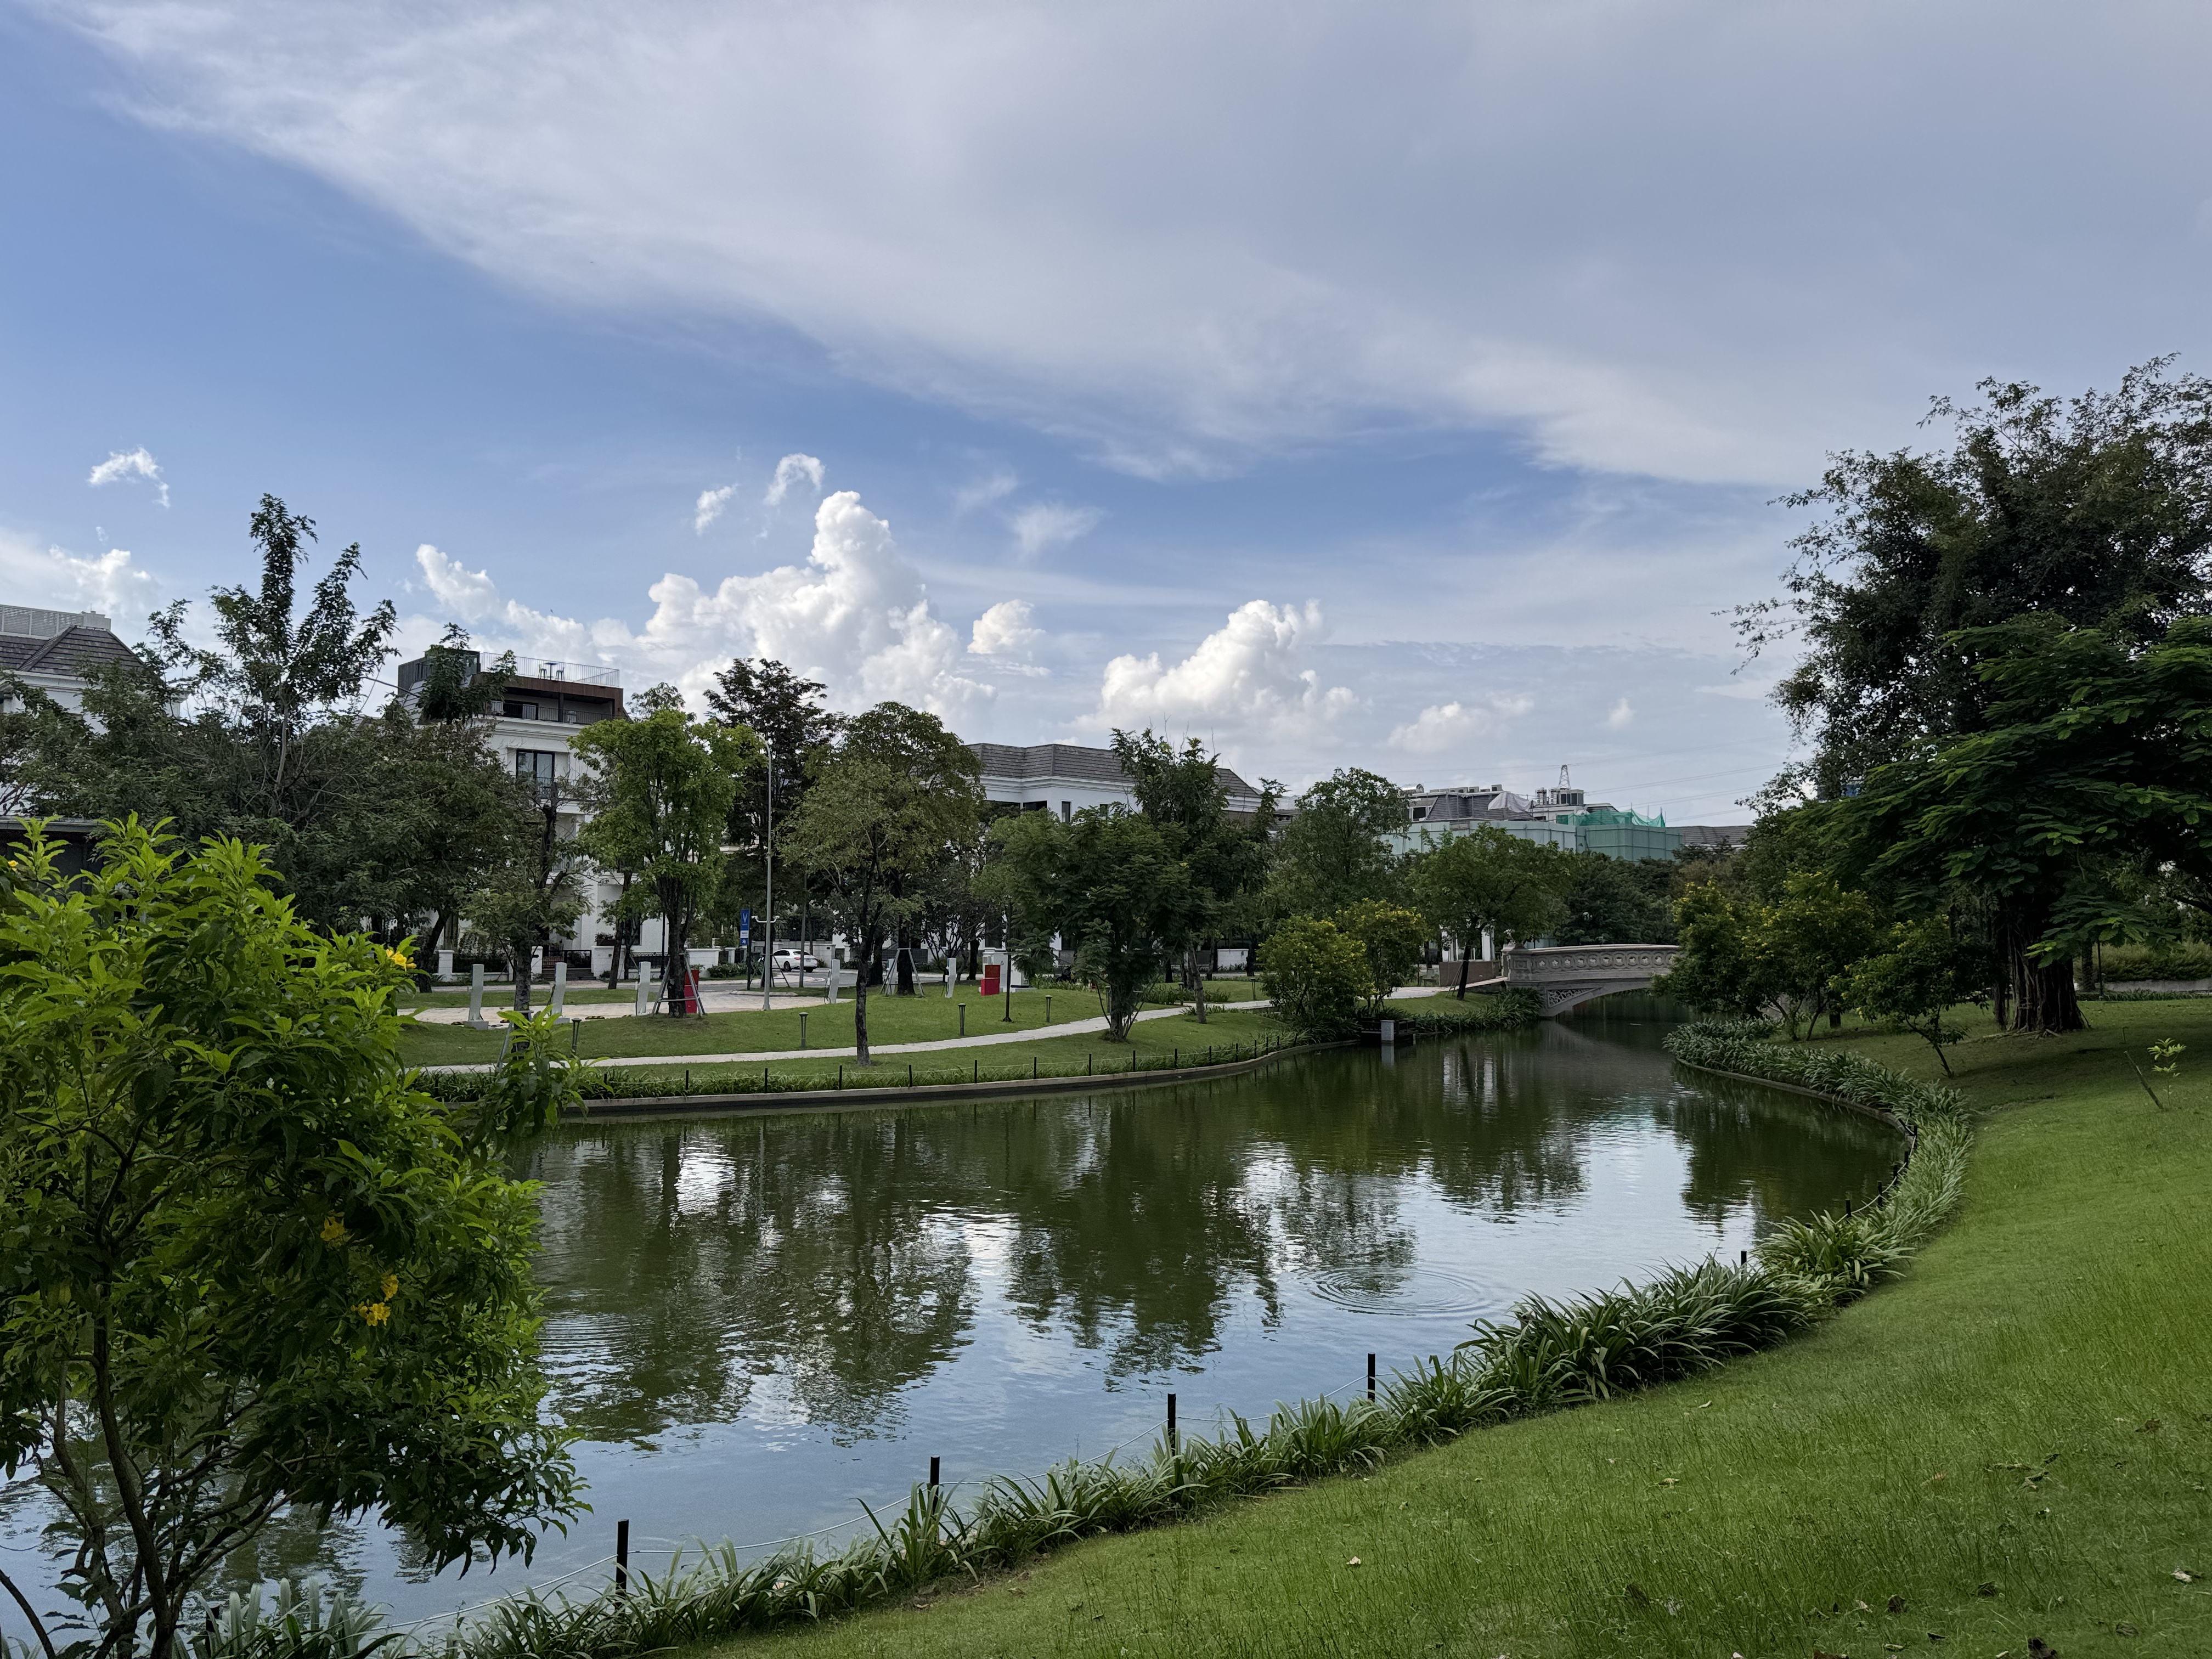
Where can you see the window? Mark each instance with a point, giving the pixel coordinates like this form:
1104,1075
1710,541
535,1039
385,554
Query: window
1066,810
520,711
534,768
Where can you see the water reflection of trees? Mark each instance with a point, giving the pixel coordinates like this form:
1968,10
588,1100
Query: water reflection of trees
817,1265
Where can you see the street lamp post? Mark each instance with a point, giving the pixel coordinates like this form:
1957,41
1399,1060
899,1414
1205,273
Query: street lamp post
768,909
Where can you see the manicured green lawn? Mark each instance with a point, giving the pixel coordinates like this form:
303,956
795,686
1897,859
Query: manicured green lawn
2015,1441
1153,1041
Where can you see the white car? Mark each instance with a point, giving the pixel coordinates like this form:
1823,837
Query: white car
791,962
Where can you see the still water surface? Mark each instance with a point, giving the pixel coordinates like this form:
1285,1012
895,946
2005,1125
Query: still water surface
755,1323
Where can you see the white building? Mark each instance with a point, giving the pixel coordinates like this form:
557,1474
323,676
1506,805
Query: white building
54,651
1067,777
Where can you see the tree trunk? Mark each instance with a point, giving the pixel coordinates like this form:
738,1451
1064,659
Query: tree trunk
518,967
860,1018
905,964
1464,965
2043,996
1196,984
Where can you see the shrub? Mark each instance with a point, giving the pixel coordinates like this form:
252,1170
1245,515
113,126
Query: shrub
1315,977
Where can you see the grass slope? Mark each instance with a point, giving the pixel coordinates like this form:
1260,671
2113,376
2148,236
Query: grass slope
2015,1442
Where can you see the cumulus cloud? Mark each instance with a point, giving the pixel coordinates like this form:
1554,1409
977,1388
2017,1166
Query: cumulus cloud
855,616
709,507
53,578
1043,525
119,468
1004,630
1446,726
1640,268
1619,717
788,471
1249,677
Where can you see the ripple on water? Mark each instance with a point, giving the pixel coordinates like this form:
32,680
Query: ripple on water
1402,1291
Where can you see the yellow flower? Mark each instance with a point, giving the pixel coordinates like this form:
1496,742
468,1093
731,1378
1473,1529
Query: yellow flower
334,1231
375,1313
389,1287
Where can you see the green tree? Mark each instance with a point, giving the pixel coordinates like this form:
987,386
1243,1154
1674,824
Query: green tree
531,890
659,791
1107,883
1182,794
1782,961
2095,755
1717,969
1486,878
1390,937
1315,977
2094,512
1333,852
245,1265
1924,973
1809,941
1609,901
891,801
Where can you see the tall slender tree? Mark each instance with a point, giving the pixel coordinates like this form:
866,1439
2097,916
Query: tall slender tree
659,791
891,801
1223,862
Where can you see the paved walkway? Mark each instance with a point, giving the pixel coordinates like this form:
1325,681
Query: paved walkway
761,1057
1027,1034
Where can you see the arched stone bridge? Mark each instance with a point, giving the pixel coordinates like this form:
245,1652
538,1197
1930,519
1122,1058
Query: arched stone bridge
1568,975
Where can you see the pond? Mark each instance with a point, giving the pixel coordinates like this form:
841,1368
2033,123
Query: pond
755,1323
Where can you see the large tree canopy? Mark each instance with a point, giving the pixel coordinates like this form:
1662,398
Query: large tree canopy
2096,512
2097,751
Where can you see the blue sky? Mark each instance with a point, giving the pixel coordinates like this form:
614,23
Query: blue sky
1405,386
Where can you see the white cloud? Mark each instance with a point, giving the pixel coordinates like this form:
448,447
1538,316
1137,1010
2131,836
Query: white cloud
788,471
1445,725
709,507
1247,678
1698,239
1619,716
53,578
855,616
119,468
1044,525
1004,630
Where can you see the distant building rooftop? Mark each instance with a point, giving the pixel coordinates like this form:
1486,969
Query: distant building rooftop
1030,776
59,642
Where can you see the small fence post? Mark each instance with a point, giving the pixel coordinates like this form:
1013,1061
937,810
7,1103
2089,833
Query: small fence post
802,1031
932,1471
1047,1011
1371,1379
1743,1258
1172,1444
575,1034
963,1019
621,1558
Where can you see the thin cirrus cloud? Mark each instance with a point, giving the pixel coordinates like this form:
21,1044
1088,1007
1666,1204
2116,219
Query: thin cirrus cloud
119,467
1692,239
1043,525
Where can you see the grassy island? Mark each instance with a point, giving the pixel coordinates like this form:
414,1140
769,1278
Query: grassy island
2012,1443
